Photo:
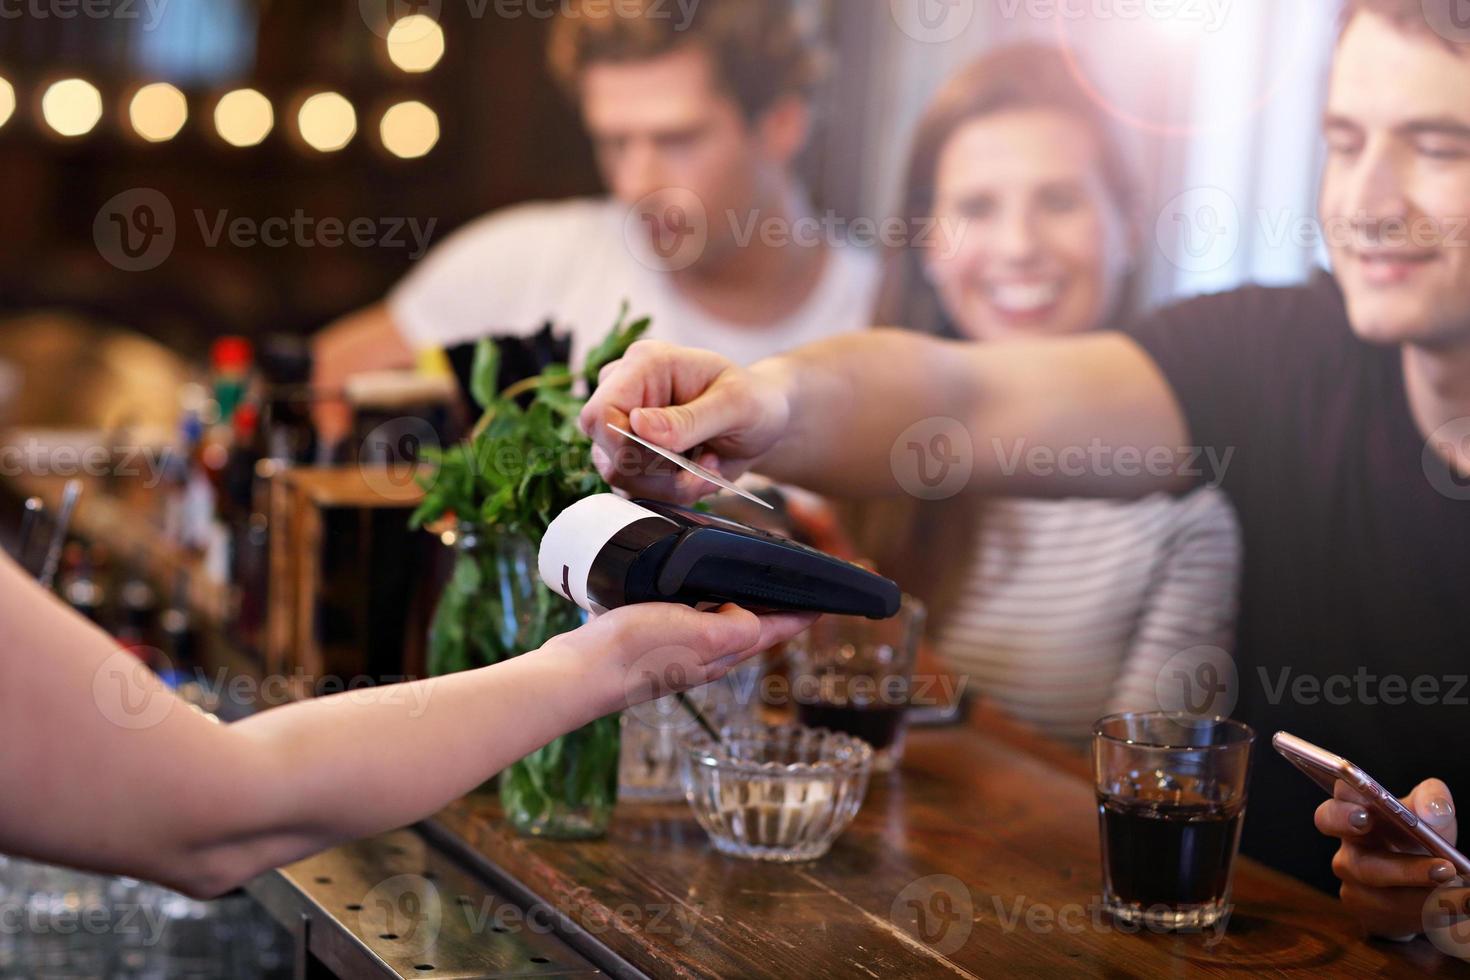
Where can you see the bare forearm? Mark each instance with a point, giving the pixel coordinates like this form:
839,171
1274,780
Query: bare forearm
880,412
364,762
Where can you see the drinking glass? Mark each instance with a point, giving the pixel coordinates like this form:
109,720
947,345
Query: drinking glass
1171,794
853,675
648,769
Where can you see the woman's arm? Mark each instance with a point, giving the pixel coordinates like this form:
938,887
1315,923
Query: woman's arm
1045,418
106,769
1190,608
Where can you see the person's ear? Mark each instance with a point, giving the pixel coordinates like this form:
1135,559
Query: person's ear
784,129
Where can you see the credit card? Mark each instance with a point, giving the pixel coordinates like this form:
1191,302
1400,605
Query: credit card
690,466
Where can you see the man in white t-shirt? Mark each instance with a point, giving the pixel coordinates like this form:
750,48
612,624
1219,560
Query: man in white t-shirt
697,115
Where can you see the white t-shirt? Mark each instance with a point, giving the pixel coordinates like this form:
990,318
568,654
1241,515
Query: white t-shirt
572,263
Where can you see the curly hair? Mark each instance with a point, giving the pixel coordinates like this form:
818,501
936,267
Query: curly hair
760,51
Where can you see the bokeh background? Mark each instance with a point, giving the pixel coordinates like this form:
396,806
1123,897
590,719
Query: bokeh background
1219,100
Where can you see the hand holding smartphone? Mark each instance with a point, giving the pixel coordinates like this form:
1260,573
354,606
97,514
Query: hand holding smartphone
1395,821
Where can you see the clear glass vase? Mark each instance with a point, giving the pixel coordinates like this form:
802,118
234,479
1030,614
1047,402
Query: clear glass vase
495,607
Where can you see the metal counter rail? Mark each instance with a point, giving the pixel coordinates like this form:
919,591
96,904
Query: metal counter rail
394,906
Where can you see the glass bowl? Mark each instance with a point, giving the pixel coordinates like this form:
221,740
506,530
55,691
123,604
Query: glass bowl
775,792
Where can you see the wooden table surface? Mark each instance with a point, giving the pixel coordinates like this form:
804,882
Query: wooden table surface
979,858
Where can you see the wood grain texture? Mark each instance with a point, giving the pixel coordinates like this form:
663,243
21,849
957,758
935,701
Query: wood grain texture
979,858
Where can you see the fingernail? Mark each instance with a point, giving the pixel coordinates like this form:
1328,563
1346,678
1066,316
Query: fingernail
1359,819
1441,873
1440,810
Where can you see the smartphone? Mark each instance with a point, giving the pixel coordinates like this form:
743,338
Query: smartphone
1401,823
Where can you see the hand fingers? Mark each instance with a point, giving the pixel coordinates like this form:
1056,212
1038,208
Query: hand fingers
1432,801
724,410
780,627
1348,821
650,375
1375,868
642,474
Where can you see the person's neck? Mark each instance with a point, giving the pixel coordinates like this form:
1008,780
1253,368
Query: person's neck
758,281
1438,384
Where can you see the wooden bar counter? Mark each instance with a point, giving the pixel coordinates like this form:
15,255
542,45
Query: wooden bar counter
1006,818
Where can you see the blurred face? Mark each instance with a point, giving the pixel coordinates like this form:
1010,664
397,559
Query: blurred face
1042,248
672,142
1396,188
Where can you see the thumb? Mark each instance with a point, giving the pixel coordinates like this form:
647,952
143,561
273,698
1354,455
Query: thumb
719,412
1432,802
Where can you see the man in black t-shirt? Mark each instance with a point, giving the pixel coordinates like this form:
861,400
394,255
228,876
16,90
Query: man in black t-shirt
1336,415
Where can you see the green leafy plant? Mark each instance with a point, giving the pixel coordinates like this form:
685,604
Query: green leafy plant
525,462
522,465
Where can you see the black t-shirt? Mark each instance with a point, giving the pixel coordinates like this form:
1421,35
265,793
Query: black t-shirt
1354,630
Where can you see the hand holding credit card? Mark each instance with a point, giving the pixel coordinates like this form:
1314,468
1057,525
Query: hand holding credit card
677,399
689,466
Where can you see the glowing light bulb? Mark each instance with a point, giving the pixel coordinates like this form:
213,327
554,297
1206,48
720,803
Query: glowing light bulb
327,122
158,112
244,117
409,130
7,101
72,106
416,43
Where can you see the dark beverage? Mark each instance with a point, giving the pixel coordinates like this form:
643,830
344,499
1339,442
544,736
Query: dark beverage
876,724
1166,853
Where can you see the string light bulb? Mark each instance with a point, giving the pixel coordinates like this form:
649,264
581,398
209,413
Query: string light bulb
158,112
415,43
244,117
72,106
7,101
409,130
327,122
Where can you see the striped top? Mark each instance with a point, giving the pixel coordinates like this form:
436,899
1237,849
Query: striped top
1072,607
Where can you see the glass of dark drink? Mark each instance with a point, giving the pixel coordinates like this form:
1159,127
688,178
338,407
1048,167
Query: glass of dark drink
853,675
1171,791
